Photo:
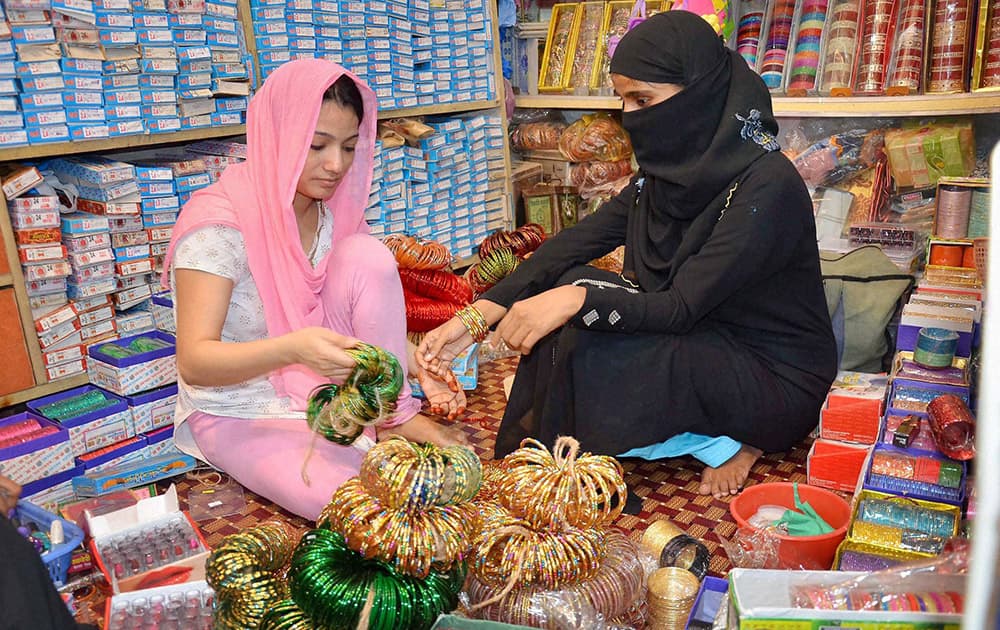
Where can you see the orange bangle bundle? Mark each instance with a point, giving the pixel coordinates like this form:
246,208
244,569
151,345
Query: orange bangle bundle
414,542
560,488
521,241
411,253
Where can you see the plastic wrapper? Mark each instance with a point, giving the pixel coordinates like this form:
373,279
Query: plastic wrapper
836,157
803,74
531,115
615,591
595,137
616,20
951,31
954,426
878,27
935,585
771,65
556,60
831,207
841,47
585,56
751,548
592,178
906,69
986,74
748,30
494,348
534,136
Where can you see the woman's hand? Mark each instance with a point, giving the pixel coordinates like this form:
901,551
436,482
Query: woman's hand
9,493
321,350
445,396
440,346
529,320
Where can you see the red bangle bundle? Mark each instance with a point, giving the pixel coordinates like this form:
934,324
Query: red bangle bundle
432,297
522,241
411,253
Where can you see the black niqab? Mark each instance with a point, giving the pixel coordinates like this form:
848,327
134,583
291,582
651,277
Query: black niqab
691,147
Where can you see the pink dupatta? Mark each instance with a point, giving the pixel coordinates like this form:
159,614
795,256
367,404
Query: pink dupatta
256,196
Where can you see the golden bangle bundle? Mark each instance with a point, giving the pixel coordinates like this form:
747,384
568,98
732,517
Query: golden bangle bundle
415,542
509,546
474,321
552,490
286,615
613,590
404,475
493,474
243,571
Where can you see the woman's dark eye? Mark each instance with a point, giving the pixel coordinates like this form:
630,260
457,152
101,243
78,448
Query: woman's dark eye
315,147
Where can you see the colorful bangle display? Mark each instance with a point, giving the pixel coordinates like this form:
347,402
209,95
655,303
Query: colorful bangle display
404,475
559,488
826,598
475,322
415,542
340,413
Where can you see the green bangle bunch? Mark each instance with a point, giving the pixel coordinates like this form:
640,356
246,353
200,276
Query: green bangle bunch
340,413
332,585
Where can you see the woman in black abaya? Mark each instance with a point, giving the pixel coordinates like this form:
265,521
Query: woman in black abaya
717,331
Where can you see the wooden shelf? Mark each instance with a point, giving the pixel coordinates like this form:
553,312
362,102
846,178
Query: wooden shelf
6,279
121,142
43,390
443,108
191,135
819,107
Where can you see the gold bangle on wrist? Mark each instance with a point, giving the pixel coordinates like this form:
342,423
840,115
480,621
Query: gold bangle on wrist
475,322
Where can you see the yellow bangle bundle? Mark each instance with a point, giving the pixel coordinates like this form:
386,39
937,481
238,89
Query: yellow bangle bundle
561,488
404,475
243,571
474,321
415,542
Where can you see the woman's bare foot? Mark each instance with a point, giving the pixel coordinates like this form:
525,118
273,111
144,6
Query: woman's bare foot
422,429
729,477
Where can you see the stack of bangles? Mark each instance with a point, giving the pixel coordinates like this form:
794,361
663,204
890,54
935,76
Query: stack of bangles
243,571
404,475
475,322
558,488
824,598
415,542
615,587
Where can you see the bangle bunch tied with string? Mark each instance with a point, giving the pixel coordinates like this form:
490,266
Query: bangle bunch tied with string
545,526
390,549
244,570
340,413
500,253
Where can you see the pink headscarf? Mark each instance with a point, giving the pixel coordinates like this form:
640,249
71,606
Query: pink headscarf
256,196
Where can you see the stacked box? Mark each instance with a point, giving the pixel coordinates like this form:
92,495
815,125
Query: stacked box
373,211
410,53
217,155
95,418
32,447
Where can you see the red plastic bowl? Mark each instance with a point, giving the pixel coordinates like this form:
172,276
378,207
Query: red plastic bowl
798,552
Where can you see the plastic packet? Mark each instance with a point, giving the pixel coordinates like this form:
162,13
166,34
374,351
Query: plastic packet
568,610
206,502
594,178
836,157
493,348
751,548
595,137
915,586
535,136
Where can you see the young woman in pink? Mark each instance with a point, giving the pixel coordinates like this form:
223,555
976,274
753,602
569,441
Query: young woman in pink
274,275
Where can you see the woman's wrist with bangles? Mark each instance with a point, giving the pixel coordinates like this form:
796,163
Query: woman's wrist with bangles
478,316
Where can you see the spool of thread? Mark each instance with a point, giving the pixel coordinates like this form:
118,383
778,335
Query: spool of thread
935,348
954,428
969,257
979,214
674,548
954,204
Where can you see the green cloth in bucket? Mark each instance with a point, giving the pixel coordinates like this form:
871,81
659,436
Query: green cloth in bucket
806,522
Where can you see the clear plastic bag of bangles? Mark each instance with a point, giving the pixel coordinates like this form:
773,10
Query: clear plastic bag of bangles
935,584
493,348
569,610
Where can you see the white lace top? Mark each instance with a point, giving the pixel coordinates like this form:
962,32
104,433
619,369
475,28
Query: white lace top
220,250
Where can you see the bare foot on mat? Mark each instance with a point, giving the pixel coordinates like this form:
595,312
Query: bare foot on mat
422,429
729,477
